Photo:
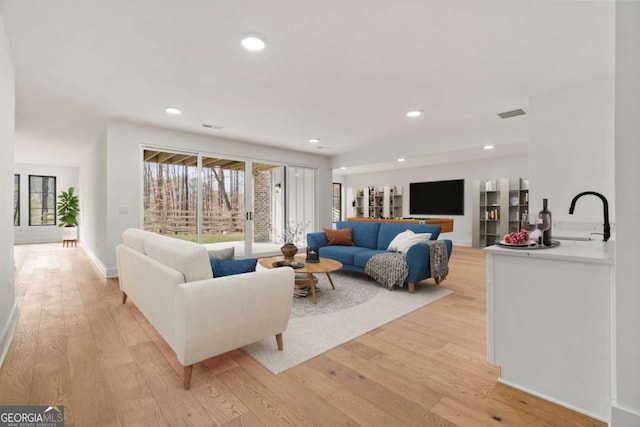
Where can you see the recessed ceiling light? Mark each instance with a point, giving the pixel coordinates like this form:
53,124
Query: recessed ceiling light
253,42
314,140
173,110
402,159
343,168
488,147
414,113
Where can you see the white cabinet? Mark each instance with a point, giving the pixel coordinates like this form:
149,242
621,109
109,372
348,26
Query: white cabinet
384,202
549,322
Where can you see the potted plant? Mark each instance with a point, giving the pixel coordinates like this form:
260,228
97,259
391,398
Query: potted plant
68,211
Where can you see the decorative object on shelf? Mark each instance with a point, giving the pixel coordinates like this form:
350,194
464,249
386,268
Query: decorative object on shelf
312,255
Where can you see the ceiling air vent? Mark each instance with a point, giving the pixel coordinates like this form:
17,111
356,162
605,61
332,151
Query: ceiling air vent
512,113
210,126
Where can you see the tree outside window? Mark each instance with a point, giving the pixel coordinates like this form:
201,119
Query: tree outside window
42,200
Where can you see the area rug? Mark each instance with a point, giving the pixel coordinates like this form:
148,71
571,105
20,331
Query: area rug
357,305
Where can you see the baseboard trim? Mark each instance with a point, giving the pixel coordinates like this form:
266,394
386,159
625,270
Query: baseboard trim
111,273
624,417
7,332
37,240
553,400
108,273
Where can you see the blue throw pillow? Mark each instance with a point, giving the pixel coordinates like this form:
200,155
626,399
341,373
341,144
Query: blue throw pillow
228,267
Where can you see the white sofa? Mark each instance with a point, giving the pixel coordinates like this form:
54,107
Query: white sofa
171,283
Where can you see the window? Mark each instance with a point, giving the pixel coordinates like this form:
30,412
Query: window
16,200
242,203
336,207
171,194
42,200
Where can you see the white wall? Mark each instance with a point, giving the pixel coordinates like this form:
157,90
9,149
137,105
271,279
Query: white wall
626,406
65,177
572,150
93,201
482,169
123,173
8,307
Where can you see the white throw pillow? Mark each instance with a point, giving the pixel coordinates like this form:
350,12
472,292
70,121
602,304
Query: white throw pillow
399,239
403,241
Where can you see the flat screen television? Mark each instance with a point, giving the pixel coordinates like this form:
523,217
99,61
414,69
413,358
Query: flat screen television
437,197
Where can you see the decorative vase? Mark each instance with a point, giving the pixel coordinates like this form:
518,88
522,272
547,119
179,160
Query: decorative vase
289,250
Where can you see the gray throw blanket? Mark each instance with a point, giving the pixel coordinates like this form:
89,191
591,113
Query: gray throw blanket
390,268
438,259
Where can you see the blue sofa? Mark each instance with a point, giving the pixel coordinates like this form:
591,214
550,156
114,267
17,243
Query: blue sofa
371,238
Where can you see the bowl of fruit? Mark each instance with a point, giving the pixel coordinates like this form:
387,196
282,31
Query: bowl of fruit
516,238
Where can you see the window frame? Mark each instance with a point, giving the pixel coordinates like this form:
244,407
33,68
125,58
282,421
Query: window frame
55,194
333,201
16,203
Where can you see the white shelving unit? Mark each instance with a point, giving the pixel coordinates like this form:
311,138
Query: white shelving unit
490,211
384,202
518,203
498,206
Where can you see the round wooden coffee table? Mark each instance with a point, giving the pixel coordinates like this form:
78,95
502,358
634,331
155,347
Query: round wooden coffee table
325,265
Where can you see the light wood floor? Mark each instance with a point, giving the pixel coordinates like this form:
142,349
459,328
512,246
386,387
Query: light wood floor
78,346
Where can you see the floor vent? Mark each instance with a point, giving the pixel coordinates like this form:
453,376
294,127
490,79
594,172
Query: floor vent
512,113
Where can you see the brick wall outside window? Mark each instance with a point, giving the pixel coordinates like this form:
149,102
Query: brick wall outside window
261,206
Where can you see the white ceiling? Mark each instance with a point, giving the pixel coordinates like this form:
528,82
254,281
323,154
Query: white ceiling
343,71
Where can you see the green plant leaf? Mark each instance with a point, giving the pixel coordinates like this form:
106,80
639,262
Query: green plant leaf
68,208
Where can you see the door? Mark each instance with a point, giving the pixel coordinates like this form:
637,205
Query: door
223,202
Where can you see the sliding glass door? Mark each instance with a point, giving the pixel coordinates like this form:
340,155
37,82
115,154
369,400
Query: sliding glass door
283,201
224,202
267,203
170,193
301,200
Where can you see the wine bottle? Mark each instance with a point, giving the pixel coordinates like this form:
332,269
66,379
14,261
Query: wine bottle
546,235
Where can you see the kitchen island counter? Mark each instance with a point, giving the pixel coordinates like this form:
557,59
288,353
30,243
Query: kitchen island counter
549,322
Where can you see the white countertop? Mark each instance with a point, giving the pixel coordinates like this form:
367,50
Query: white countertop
597,252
